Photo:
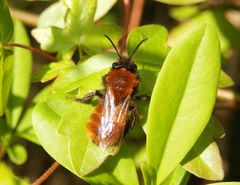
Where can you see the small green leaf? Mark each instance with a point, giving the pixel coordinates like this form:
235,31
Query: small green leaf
225,80
182,99
206,164
204,159
180,2
17,154
103,7
178,177
149,174
50,71
6,25
53,15
22,70
154,50
78,28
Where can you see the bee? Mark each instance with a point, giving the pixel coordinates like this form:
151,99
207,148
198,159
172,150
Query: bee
116,110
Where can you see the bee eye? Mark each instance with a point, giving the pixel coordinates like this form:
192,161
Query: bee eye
114,65
135,66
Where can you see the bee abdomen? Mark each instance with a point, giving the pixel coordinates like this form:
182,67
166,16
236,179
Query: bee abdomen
93,124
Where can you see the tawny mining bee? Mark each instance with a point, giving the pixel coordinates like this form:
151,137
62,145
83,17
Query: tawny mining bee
116,110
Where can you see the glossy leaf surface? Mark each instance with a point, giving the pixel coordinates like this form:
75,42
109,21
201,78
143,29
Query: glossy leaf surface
183,98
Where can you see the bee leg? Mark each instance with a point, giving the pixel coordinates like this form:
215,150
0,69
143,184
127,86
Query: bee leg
133,115
89,96
143,97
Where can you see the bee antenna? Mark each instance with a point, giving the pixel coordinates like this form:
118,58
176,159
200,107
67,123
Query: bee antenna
139,44
120,57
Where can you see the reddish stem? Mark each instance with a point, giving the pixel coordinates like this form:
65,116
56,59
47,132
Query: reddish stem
126,4
46,175
34,50
136,14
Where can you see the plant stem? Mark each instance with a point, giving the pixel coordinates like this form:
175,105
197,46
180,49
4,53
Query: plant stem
126,4
46,175
136,14
34,50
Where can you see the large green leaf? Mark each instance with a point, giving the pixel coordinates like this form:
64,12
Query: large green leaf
183,99
22,70
77,29
154,49
6,77
6,25
180,2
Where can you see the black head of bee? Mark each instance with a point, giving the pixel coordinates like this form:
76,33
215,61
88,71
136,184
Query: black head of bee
125,62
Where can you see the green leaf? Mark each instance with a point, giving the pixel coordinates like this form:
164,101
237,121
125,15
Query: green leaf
96,65
154,50
50,71
183,12
180,2
93,40
17,154
119,169
178,177
76,19
183,99
225,80
22,70
54,14
46,117
103,7
25,128
149,174
6,77
225,183
78,29
6,25
204,159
